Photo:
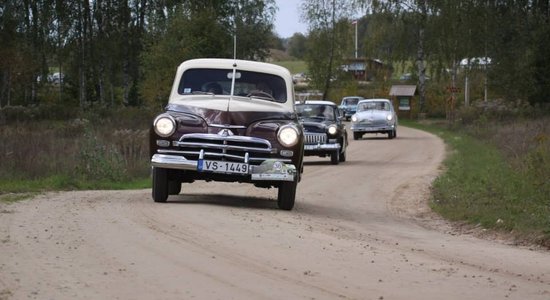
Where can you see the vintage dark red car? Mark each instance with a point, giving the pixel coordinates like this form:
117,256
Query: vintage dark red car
232,121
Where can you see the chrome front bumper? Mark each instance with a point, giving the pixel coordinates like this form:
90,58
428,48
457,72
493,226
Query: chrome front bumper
367,127
271,169
317,147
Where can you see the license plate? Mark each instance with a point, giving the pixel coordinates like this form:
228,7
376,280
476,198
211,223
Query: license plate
222,167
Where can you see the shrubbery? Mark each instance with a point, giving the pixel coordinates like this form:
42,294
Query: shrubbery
97,145
499,173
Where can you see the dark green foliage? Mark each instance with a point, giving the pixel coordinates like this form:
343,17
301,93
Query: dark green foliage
514,34
105,47
297,46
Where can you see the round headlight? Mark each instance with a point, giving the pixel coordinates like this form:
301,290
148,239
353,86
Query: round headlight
288,135
354,118
332,129
389,117
164,125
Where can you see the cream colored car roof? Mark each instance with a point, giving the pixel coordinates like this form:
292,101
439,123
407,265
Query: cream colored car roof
245,65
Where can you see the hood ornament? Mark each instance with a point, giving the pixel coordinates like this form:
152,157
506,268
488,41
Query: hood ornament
225,132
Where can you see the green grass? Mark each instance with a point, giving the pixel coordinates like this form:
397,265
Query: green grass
294,66
61,182
481,188
10,198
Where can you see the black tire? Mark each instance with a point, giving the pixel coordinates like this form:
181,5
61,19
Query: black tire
174,187
390,134
357,135
335,157
343,156
160,184
394,133
287,194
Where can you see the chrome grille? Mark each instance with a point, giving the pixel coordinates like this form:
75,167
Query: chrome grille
218,147
373,122
315,138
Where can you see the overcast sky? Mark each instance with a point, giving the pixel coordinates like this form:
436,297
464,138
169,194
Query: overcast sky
287,20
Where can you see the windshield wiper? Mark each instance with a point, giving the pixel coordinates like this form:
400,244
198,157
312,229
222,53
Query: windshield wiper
202,93
260,95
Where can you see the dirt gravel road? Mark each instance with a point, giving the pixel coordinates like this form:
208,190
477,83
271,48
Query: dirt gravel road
359,230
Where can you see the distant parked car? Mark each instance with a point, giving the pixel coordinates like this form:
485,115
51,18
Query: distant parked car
374,116
349,105
56,78
232,121
325,133
405,77
409,76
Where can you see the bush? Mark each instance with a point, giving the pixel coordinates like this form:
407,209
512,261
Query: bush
97,160
99,145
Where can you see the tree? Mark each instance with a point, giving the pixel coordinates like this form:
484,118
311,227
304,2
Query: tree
297,45
328,38
203,29
254,24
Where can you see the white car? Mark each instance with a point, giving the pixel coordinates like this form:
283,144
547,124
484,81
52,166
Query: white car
374,116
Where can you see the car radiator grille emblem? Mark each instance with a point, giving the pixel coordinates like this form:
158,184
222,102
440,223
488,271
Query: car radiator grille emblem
225,133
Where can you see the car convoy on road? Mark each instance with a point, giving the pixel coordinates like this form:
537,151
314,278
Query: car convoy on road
237,121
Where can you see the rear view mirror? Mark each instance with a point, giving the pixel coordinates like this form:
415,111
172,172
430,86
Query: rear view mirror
237,75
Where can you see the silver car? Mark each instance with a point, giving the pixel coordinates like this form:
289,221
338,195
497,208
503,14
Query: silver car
374,116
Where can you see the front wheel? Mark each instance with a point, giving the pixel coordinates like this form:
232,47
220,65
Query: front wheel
287,194
335,158
160,184
357,135
174,187
343,156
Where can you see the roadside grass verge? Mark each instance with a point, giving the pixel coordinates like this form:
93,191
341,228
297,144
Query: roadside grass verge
481,187
10,198
49,149
294,66
67,182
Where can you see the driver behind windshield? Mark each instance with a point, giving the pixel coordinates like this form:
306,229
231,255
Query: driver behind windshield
315,111
264,87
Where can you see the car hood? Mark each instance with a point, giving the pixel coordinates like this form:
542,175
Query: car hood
311,125
236,111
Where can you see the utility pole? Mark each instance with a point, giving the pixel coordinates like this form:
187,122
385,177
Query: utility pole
355,22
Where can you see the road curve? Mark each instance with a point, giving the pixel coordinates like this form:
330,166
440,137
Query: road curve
359,230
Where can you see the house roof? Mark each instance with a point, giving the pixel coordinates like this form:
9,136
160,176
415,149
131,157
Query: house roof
403,90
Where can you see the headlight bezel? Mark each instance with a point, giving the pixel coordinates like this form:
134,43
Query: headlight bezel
354,118
282,136
389,117
163,118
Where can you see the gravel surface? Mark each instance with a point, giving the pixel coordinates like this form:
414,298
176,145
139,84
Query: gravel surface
359,230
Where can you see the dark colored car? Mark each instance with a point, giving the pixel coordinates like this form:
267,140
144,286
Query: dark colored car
325,133
232,121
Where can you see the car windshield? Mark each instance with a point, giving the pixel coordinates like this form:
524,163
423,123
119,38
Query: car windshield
373,105
316,111
350,101
247,84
